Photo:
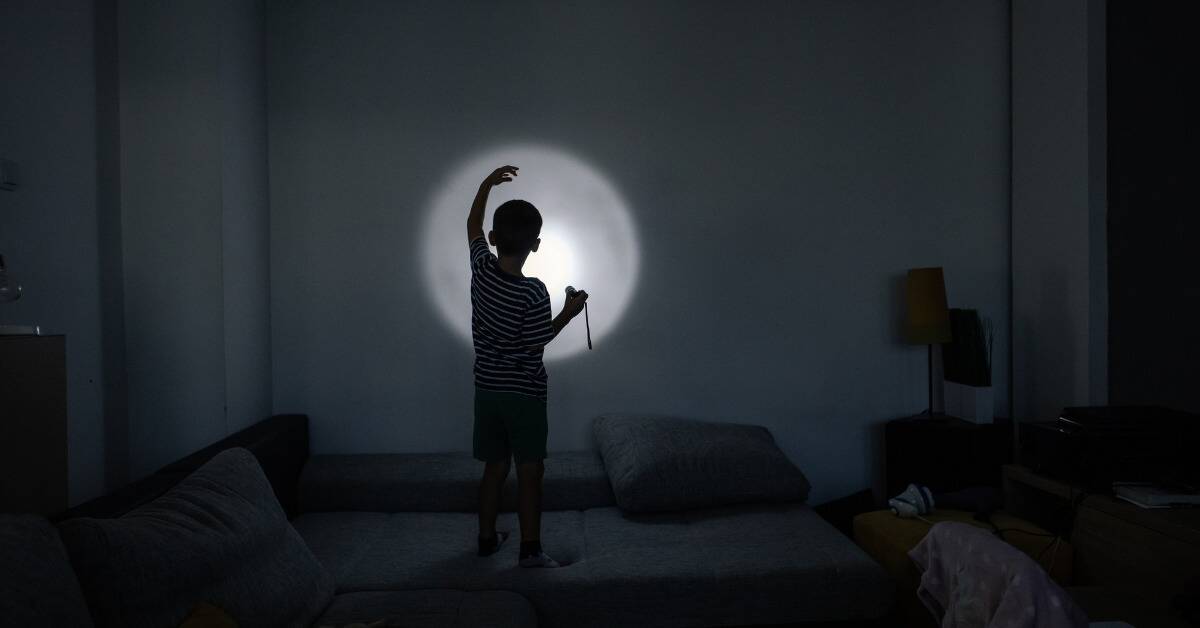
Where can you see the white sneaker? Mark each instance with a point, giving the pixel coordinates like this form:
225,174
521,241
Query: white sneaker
539,559
914,501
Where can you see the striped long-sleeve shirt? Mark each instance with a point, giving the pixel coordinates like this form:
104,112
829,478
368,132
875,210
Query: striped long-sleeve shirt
510,326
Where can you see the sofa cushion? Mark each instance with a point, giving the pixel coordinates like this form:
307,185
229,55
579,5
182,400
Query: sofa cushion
743,565
659,464
124,499
727,566
219,536
368,551
279,443
437,608
440,483
37,586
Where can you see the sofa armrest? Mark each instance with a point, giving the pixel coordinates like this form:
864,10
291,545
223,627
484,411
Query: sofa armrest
122,500
281,445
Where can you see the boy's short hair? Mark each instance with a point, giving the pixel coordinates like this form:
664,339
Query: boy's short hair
517,225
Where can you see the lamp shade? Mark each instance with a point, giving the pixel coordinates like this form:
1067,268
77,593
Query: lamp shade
928,320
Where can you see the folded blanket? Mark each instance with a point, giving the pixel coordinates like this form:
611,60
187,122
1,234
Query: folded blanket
971,579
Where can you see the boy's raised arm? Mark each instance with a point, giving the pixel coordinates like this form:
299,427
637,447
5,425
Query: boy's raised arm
475,218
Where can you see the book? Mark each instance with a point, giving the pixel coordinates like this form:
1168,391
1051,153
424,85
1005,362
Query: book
1154,495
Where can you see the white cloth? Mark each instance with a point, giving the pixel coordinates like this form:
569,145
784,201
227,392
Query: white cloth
971,579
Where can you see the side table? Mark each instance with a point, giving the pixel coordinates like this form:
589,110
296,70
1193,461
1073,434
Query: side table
946,453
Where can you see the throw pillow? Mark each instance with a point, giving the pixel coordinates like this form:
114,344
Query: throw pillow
219,536
658,464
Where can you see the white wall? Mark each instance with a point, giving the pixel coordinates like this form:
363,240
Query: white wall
785,163
194,212
245,214
48,225
1060,299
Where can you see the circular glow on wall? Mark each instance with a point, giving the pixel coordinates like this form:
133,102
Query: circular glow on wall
587,236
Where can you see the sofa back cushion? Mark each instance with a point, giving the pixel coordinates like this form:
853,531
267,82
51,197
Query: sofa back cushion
219,536
444,482
658,464
37,586
280,444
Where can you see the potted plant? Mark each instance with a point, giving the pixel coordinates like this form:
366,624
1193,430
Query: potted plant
968,367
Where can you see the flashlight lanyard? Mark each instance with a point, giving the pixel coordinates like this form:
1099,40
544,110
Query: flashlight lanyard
587,323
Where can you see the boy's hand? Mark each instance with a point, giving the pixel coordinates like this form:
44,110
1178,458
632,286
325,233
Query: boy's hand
500,175
475,218
571,308
574,303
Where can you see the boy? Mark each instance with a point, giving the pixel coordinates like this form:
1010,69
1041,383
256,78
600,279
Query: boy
510,326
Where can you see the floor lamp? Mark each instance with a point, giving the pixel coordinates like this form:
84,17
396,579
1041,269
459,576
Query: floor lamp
928,321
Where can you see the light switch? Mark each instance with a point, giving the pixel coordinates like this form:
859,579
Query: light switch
8,174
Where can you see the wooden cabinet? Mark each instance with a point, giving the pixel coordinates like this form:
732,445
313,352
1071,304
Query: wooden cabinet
33,424
1116,543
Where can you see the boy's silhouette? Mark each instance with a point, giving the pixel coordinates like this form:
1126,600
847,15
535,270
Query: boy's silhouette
510,326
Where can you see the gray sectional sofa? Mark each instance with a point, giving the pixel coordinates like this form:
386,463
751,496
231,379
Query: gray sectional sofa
394,538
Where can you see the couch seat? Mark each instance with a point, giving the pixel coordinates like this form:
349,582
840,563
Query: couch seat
446,482
437,608
722,566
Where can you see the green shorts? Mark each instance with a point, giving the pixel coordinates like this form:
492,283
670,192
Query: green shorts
509,425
